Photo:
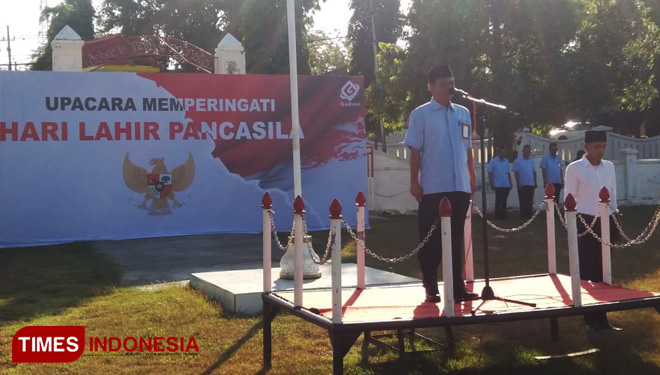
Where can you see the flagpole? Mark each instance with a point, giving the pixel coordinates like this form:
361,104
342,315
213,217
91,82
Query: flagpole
293,80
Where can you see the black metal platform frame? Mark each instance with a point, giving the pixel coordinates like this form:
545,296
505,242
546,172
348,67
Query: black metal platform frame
343,335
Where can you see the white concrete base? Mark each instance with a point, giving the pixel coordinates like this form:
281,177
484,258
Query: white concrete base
240,291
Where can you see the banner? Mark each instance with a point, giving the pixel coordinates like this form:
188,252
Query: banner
104,156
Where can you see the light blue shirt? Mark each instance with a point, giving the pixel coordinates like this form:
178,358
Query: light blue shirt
443,136
552,168
525,169
500,170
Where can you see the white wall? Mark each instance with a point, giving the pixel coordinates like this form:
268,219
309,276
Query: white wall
391,183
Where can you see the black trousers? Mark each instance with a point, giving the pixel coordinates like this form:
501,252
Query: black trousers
430,255
591,257
501,196
526,200
558,188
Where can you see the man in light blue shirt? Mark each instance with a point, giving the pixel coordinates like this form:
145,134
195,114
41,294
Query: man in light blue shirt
525,171
441,165
500,181
551,170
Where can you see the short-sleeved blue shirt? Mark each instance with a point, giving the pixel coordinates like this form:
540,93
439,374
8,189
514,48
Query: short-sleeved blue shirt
442,135
552,168
525,169
500,170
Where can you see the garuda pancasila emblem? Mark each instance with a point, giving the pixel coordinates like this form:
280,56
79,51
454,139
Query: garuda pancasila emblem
159,185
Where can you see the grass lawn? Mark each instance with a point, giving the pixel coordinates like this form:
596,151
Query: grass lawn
74,285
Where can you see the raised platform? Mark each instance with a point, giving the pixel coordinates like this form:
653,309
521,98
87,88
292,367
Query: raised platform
240,290
405,303
400,307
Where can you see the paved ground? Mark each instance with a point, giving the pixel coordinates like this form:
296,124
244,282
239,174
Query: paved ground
166,259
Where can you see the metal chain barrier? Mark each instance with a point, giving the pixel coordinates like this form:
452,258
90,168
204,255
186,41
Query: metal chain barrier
563,221
312,253
509,230
623,235
644,232
561,216
274,232
360,242
642,238
328,247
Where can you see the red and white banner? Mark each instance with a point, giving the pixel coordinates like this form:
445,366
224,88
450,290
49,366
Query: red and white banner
89,156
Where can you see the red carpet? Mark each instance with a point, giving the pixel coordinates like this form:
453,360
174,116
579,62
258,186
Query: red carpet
406,301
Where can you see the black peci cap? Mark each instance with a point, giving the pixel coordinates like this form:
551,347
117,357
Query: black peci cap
440,71
595,136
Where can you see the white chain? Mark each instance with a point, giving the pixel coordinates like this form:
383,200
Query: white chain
563,221
623,235
360,242
561,216
312,253
509,230
315,257
274,232
642,238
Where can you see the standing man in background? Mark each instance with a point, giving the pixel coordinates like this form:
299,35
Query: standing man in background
584,180
551,170
525,171
441,165
500,181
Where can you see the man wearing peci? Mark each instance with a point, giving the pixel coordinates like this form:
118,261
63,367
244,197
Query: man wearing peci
500,181
441,163
584,180
551,170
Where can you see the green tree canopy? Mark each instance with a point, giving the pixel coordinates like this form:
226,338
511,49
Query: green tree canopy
260,25
548,61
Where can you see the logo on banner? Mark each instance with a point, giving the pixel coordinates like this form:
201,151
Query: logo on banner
160,185
348,92
41,344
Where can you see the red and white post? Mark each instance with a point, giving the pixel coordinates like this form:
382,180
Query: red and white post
604,213
335,226
298,211
267,205
550,223
360,203
467,240
573,258
447,275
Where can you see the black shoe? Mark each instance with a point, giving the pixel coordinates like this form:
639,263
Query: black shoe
607,325
432,298
465,295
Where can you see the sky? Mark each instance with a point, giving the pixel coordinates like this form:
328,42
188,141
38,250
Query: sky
22,17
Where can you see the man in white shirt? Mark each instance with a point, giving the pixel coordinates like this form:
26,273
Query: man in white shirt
584,179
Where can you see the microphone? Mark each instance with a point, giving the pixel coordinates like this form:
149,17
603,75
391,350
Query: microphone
454,90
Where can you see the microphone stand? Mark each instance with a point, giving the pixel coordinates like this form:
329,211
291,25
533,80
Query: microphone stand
487,294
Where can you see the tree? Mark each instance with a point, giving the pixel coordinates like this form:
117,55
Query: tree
78,14
548,61
326,54
612,64
388,25
260,25
386,99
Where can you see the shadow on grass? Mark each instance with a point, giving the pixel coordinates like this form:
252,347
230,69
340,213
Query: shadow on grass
48,279
230,352
446,364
